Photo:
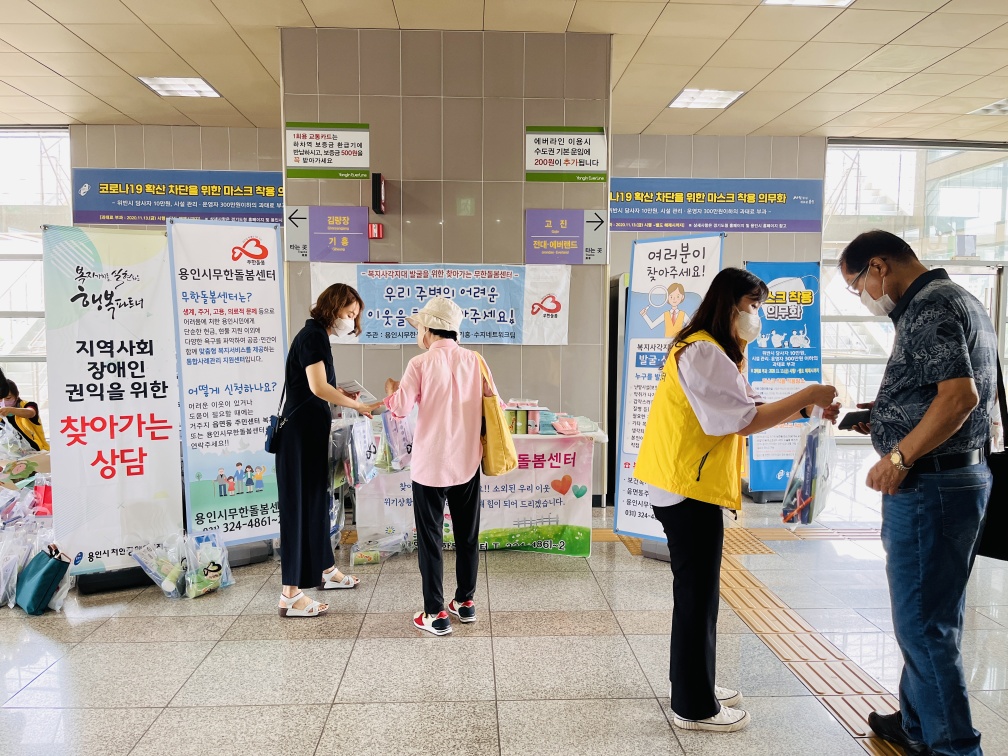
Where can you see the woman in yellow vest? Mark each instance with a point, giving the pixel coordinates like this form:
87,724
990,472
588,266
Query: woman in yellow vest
24,416
691,460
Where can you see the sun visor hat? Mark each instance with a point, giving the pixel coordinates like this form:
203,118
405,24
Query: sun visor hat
439,313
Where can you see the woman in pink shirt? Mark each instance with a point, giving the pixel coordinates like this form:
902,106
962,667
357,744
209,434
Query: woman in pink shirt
447,386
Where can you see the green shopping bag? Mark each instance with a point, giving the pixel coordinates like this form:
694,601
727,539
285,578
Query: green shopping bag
40,580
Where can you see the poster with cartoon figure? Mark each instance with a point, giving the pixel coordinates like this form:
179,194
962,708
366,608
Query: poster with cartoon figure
668,280
785,356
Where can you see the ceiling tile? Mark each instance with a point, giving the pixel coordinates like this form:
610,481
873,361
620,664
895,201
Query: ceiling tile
869,26
4,47
904,58
438,14
972,60
832,101
739,53
46,118
951,29
791,123
866,82
933,84
352,14
51,37
797,80
264,42
767,101
197,38
19,64
918,120
977,122
647,83
152,64
265,12
900,5
954,105
224,71
160,12
858,118
632,119
771,22
22,12
616,18
676,51
887,132
112,86
898,103
994,87
89,12
731,123
710,77
6,90
974,6
996,40
19,104
44,85
830,55
830,130
78,64
624,48
527,15
681,120
695,20
119,38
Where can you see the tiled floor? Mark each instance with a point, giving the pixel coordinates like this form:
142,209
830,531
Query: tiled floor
568,656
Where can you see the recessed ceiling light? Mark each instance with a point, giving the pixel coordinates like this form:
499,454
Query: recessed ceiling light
168,86
811,3
995,108
705,98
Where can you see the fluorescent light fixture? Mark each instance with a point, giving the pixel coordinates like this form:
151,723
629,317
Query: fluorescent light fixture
811,3
169,86
705,98
995,108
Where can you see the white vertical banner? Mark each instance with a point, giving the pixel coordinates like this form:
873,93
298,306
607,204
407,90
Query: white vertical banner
113,393
227,284
668,280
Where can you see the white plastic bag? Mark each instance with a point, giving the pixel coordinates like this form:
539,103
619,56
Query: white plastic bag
164,564
811,476
207,565
58,599
399,437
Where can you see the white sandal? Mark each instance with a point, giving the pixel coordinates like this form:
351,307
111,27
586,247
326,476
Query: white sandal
286,608
348,581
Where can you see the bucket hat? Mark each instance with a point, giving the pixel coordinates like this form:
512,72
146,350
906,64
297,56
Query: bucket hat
439,313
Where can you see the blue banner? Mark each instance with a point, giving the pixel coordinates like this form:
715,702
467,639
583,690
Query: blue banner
125,196
716,205
786,356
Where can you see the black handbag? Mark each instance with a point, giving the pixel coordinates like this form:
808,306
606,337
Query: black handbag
278,421
994,529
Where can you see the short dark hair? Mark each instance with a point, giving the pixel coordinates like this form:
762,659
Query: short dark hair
4,385
871,244
453,335
716,313
335,298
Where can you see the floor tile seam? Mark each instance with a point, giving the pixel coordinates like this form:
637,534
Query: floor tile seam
16,693
147,730
857,667
190,675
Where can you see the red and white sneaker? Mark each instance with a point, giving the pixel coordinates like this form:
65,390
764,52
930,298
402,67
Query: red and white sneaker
436,624
466,611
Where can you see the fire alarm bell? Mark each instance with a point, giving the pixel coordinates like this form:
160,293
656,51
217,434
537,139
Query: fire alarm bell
378,193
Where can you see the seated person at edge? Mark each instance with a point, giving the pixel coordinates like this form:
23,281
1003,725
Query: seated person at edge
691,460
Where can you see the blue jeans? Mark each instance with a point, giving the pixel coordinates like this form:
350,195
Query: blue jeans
929,531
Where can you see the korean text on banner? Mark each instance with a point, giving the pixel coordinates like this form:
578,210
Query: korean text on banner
786,356
327,150
543,505
501,304
668,280
113,393
227,282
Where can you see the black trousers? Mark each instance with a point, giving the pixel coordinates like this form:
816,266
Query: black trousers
695,532
428,512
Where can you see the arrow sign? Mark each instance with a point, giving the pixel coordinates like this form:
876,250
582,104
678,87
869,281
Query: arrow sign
294,217
597,220
296,235
596,239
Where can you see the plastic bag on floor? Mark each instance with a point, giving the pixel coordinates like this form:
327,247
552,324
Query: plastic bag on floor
207,566
376,551
811,476
164,564
12,545
59,598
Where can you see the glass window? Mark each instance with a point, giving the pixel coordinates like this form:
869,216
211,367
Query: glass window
34,191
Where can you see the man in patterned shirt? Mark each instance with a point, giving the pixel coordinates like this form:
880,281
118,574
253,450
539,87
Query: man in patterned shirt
930,424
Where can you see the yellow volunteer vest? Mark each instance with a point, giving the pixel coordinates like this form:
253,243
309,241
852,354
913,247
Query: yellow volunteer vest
29,429
677,456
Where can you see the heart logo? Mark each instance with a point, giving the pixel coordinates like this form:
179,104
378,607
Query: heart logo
253,248
580,491
549,304
563,485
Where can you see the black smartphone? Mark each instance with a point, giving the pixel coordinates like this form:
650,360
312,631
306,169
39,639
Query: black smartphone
854,418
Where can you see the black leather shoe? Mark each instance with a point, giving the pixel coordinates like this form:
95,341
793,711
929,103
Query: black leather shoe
889,727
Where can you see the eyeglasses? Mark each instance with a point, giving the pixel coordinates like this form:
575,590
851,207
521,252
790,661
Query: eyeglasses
852,286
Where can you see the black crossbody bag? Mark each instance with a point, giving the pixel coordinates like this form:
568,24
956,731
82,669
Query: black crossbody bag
278,421
994,529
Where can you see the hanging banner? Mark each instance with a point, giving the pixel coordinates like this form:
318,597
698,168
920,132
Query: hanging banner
227,285
668,280
565,237
143,196
786,356
716,204
542,505
328,150
113,394
566,153
501,304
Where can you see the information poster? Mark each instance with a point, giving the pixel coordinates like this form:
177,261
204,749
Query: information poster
112,393
501,304
543,505
328,150
566,153
716,205
142,196
786,356
565,237
668,280
227,284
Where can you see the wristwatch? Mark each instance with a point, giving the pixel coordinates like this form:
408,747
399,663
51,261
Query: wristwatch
896,457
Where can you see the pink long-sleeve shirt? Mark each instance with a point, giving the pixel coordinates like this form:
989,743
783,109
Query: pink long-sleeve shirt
446,385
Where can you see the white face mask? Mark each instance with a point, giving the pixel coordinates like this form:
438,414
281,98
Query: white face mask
343,326
748,325
879,307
